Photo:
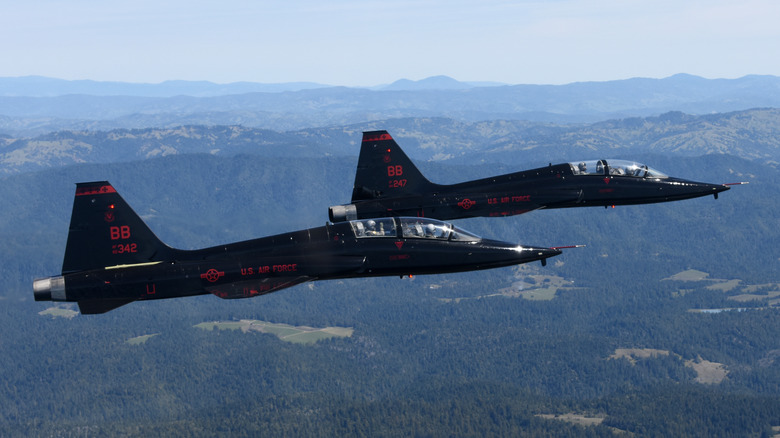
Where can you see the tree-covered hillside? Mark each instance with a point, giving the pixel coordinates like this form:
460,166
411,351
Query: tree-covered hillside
626,334
747,134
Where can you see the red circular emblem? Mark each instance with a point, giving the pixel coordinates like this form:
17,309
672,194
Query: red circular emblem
212,275
466,204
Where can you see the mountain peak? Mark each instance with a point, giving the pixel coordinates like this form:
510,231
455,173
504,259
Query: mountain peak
440,82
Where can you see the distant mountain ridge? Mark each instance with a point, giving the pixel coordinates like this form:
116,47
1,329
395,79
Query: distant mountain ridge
40,86
435,83
301,106
748,134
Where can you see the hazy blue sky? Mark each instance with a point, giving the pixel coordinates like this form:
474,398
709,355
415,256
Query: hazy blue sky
367,42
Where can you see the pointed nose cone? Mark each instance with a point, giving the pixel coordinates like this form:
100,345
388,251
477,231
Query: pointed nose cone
678,189
717,188
711,189
721,188
533,253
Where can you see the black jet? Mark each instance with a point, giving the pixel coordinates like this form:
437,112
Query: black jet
112,258
387,183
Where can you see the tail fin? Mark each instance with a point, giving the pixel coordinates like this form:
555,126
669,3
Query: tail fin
105,231
384,170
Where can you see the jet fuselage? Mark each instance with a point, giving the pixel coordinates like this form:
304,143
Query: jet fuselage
388,183
132,265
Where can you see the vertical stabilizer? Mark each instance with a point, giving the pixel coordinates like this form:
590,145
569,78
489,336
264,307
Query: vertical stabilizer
105,231
384,170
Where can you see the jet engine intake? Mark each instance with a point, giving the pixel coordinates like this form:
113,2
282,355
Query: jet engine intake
341,213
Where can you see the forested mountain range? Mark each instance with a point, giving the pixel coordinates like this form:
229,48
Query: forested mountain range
664,324
749,134
22,112
621,339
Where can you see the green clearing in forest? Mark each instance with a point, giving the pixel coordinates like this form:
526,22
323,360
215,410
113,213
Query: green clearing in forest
285,332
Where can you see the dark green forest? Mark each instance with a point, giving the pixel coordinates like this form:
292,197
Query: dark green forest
429,356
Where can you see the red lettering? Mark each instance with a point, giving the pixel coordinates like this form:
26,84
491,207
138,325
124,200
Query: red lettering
247,271
263,269
396,170
122,232
286,268
124,248
396,183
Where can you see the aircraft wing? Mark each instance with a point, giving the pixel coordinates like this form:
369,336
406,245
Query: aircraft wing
314,269
255,287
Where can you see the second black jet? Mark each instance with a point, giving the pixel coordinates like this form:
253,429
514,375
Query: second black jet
387,183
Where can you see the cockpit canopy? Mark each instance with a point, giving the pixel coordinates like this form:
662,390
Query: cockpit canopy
615,168
410,228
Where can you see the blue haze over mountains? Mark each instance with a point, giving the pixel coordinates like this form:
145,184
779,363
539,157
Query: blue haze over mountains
206,164
33,105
